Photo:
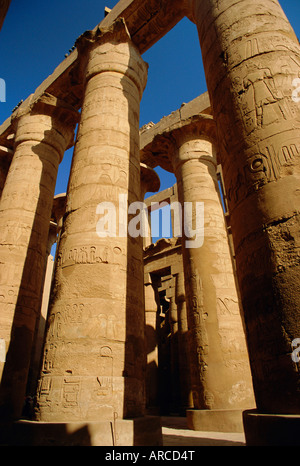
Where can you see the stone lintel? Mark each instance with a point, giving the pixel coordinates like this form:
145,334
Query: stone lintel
162,196
200,104
161,246
147,22
117,31
159,147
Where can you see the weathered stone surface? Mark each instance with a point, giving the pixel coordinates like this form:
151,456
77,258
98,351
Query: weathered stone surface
94,358
43,131
220,371
208,420
152,141
147,23
250,65
143,431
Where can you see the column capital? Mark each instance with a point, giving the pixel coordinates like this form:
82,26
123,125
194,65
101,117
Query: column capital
150,181
48,104
59,210
33,117
91,62
117,31
163,150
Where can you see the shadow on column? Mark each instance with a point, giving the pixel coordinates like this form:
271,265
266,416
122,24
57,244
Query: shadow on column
25,433
146,429
14,379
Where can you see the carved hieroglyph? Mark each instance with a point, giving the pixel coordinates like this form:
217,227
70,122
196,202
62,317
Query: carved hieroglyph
94,357
251,57
43,132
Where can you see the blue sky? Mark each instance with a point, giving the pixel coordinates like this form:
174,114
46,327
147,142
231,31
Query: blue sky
36,35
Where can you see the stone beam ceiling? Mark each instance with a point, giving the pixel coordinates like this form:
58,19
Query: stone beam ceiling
147,21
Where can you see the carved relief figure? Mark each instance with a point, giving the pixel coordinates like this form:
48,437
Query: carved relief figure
261,95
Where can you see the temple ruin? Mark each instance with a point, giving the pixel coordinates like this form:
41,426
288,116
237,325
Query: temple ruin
116,330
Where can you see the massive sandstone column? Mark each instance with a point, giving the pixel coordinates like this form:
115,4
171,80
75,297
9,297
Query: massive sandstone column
220,372
44,129
94,356
250,66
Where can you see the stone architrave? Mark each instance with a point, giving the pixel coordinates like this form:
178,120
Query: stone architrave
44,129
94,357
220,371
251,66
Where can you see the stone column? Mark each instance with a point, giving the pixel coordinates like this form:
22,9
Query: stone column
220,372
94,355
44,129
250,67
